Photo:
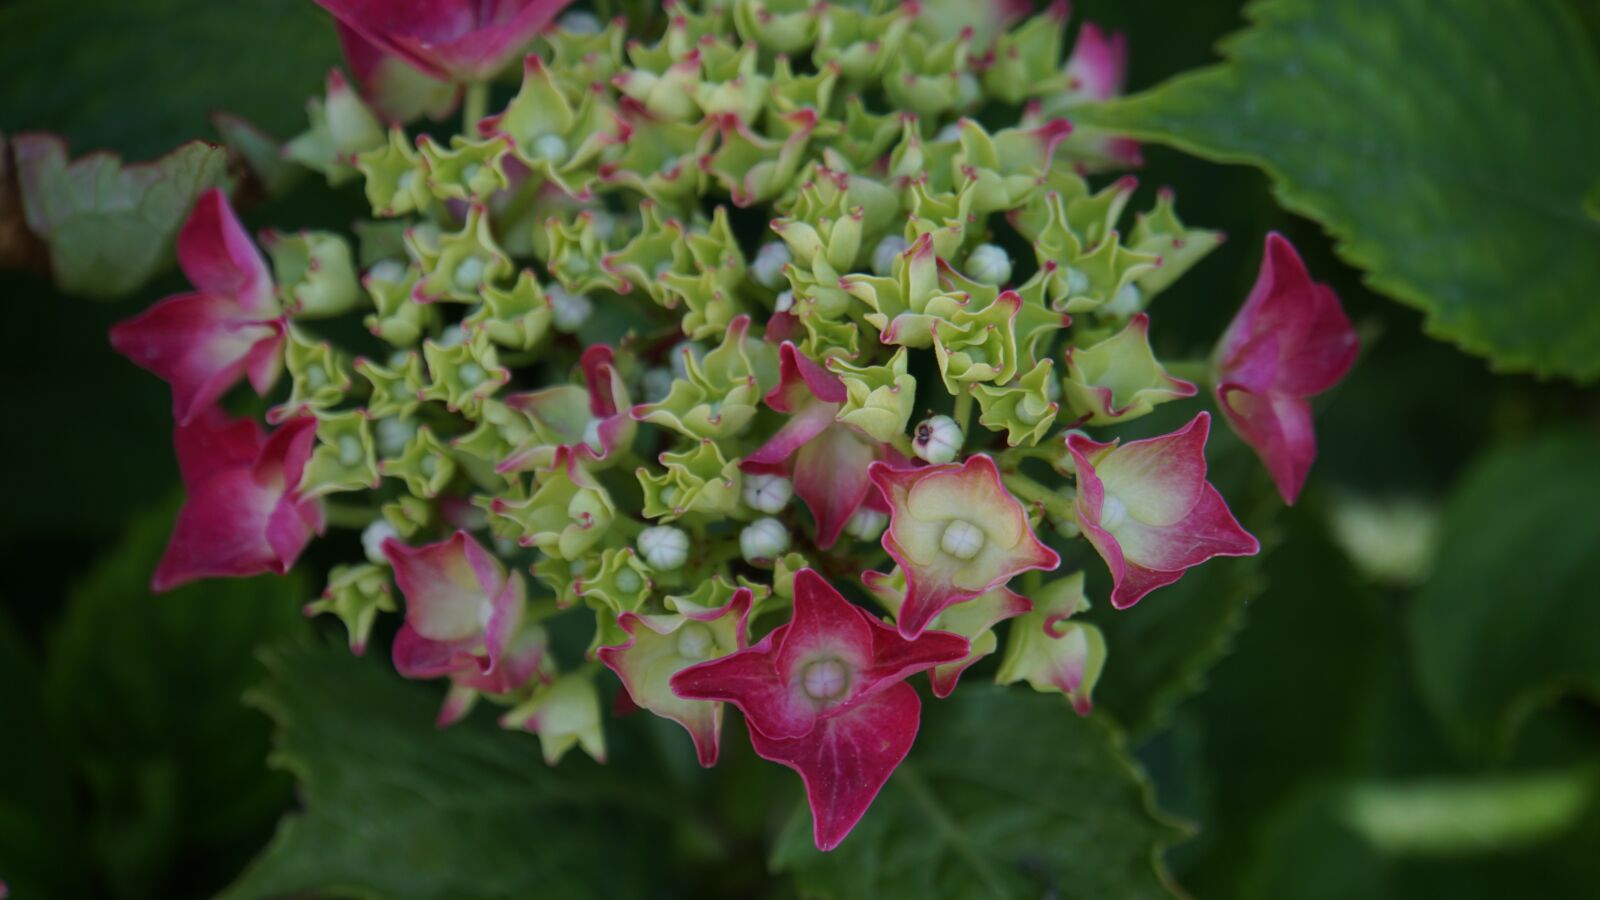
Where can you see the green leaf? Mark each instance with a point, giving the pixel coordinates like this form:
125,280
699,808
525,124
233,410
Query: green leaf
109,227
140,78
1509,619
1007,794
145,694
1447,145
397,808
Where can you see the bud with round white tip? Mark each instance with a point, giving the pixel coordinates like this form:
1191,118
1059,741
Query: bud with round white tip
451,336
767,268
867,524
883,255
568,310
937,440
990,264
763,539
580,22
663,547
767,493
372,538
784,302
951,132
1125,302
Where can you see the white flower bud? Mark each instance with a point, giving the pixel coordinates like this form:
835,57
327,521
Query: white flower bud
393,434
884,254
372,539
866,525
550,146
657,384
605,224
937,440
784,302
1125,303
1077,282
664,547
387,271
568,310
989,264
962,539
580,22
763,539
951,132
767,269
451,336
767,493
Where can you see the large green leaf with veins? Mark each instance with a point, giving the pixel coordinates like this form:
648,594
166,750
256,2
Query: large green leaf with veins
1006,794
1448,145
397,808
1509,619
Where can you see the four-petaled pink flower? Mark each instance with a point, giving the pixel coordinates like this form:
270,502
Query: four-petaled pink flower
462,40
242,514
1147,508
826,696
464,619
203,343
957,533
827,459
1290,340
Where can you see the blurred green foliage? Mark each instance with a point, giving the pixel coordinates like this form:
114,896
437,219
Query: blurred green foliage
1327,735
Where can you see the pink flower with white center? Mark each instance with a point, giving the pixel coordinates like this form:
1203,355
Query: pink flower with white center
229,328
1291,340
461,40
825,696
242,514
1147,508
826,459
464,620
957,533
660,646
592,421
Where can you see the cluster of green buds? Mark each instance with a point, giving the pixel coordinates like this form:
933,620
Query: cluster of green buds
592,310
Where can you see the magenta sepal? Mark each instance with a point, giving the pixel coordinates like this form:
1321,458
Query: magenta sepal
242,515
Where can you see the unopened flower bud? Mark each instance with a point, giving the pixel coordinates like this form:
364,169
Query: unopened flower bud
763,539
937,440
568,310
372,539
883,255
867,524
452,336
387,271
784,302
579,22
951,132
989,264
393,434
767,269
1125,303
767,493
664,547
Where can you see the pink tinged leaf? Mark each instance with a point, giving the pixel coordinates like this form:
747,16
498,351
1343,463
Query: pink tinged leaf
830,477
846,760
219,258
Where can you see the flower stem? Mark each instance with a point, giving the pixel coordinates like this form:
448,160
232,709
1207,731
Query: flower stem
1057,506
1199,371
475,106
963,411
340,515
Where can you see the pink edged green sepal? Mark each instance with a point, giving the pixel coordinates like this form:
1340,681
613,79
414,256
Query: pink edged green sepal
466,617
230,328
824,695
592,422
1119,378
1148,510
564,714
243,513
659,646
957,533
973,620
1291,340
1051,653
